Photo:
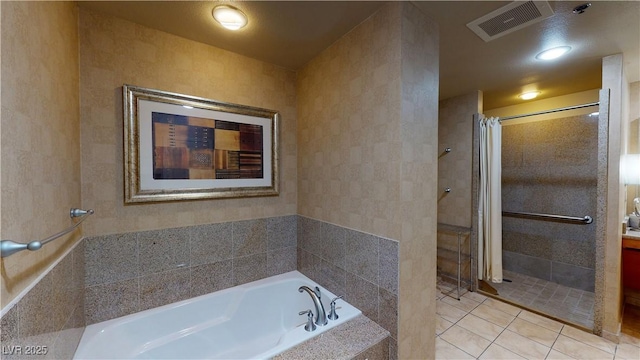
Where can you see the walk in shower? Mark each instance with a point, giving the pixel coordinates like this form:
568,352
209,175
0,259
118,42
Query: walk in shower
549,200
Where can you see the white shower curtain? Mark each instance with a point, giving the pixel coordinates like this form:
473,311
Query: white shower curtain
490,201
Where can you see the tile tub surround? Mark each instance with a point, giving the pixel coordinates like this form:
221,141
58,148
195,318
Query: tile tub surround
51,314
359,338
360,266
127,273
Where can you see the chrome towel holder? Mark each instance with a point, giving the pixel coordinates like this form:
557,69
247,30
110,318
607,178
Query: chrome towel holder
9,247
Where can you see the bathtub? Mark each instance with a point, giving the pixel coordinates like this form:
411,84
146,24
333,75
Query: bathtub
256,320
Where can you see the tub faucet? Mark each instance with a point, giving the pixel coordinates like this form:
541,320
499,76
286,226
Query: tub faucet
321,315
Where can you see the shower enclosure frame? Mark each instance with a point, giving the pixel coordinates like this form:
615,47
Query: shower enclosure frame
601,200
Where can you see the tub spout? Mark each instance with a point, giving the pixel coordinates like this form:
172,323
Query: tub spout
321,315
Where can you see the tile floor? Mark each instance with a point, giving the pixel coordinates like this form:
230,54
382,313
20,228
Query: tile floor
573,305
477,327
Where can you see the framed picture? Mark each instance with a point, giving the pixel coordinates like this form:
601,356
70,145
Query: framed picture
181,147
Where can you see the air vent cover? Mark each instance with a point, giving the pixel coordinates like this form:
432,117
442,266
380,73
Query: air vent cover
510,18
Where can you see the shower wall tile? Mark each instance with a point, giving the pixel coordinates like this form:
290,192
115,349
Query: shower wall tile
110,258
574,252
573,276
528,265
551,167
142,270
526,244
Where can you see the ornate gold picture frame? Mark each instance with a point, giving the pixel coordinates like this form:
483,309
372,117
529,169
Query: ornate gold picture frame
180,147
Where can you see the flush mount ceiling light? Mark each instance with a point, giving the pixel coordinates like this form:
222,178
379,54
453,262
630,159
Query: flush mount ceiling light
553,53
230,17
529,95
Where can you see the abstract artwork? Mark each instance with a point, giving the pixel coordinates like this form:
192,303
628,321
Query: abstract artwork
179,147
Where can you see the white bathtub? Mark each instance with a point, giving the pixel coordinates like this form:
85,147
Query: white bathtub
252,321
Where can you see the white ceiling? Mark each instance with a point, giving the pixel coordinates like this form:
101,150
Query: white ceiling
290,33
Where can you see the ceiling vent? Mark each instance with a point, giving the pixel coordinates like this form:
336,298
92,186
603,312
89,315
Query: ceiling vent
510,18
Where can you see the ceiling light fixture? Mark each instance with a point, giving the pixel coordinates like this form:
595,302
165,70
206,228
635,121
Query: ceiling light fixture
230,17
529,95
553,53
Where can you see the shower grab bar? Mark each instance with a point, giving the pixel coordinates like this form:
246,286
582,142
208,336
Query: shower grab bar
8,247
583,220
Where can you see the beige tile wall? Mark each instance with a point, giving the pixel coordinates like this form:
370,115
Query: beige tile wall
114,52
609,298
40,134
348,132
419,172
455,131
367,139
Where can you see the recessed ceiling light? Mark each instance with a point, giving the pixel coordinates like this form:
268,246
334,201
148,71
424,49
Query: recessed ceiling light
553,53
230,17
529,95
